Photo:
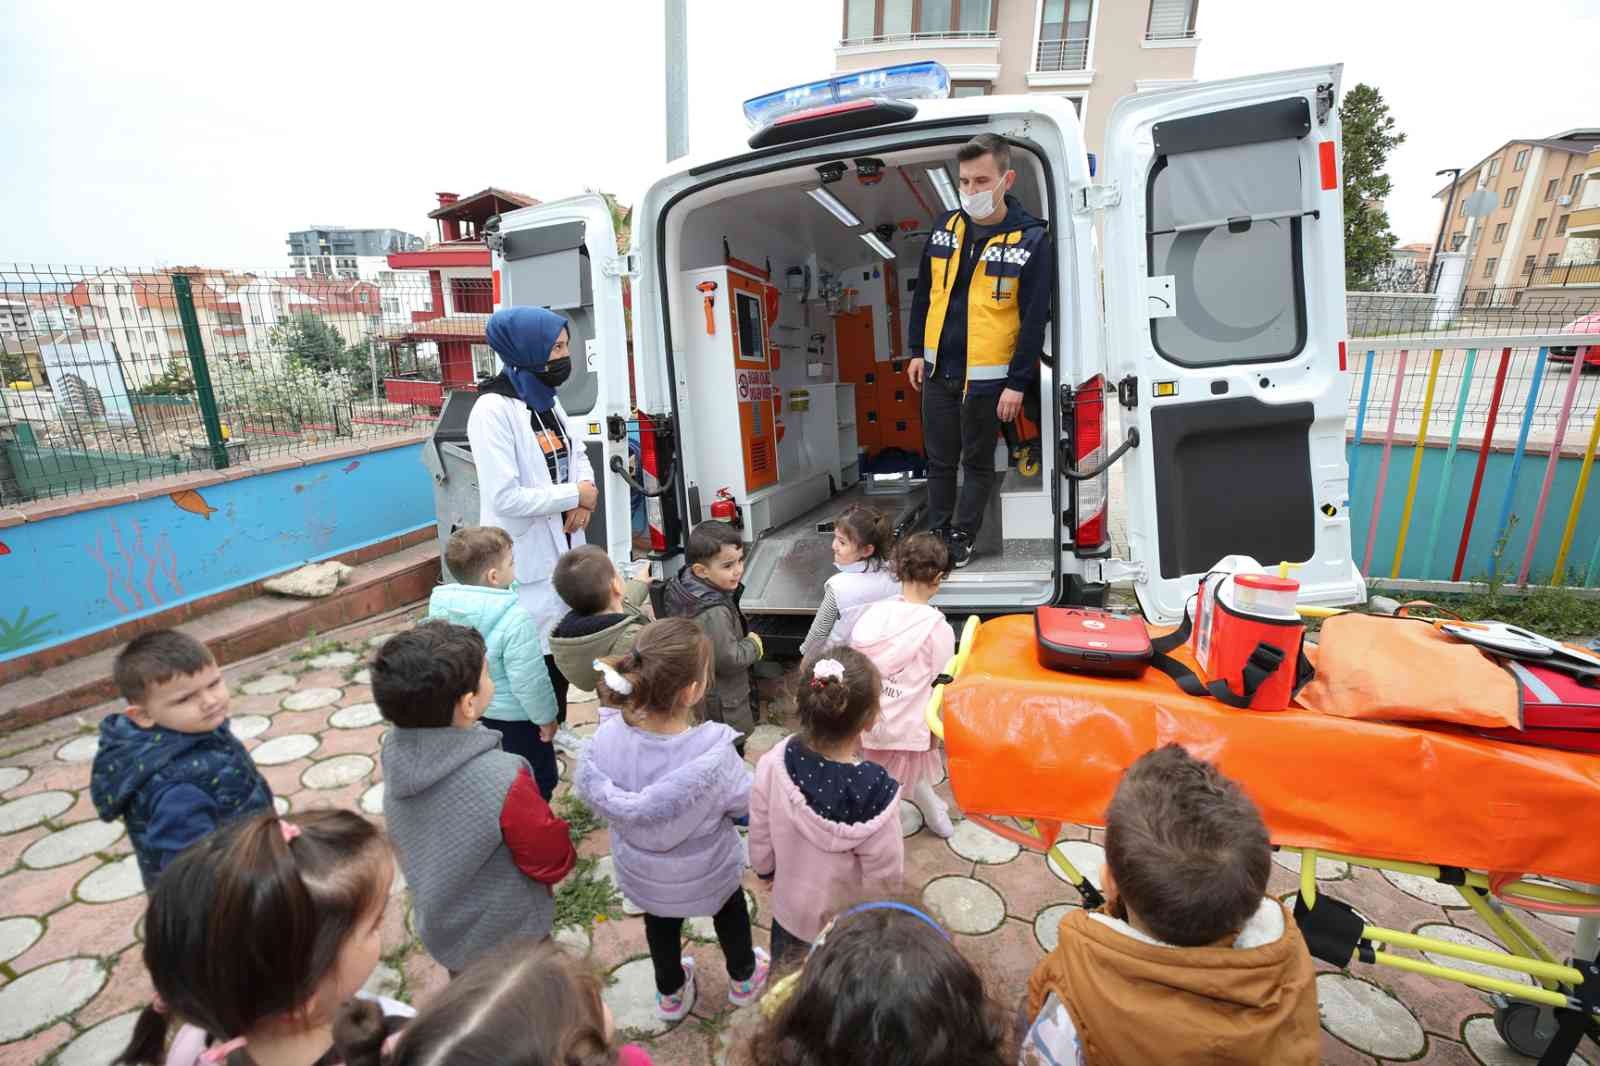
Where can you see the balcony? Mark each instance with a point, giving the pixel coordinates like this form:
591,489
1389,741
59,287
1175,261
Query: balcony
1574,273
1060,57
938,38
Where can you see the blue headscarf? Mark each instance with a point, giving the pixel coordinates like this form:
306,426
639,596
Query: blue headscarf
522,337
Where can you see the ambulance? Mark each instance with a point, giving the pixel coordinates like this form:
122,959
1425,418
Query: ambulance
1194,361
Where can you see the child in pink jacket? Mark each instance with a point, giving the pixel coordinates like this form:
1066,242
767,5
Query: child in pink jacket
824,825
910,642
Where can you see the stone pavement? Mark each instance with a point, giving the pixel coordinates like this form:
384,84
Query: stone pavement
72,980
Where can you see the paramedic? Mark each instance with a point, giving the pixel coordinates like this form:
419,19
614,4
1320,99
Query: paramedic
534,476
978,321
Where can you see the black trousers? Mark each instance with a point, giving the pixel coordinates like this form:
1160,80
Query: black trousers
665,937
958,429
559,682
522,738
787,949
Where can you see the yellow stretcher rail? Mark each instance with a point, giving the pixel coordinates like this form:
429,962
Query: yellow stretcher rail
953,669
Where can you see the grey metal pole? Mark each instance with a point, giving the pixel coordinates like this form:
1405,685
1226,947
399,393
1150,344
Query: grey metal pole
677,63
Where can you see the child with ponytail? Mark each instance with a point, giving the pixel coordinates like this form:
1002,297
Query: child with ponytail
862,539
254,937
824,825
910,642
670,789
527,1003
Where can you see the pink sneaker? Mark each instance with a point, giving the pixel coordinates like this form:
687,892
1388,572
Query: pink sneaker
743,993
676,1007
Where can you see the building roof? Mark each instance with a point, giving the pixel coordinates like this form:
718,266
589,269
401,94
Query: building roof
1579,141
328,295
453,327
482,203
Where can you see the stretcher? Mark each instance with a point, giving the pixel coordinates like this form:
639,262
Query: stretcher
1030,750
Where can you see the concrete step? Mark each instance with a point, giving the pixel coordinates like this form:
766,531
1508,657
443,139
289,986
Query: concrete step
233,632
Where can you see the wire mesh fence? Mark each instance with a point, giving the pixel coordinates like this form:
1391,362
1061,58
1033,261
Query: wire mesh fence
114,375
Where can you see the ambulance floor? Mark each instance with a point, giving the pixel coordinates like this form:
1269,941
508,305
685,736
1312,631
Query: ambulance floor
788,567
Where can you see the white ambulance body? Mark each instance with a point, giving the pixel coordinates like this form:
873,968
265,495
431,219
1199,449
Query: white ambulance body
1202,326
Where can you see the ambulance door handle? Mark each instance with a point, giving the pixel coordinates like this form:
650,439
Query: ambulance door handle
1073,474
619,468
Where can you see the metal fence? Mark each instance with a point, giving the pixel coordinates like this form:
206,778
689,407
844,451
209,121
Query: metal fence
114,375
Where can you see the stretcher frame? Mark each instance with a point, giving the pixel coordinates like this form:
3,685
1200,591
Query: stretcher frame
1557,986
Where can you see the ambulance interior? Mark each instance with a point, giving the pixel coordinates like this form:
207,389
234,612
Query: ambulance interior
790,297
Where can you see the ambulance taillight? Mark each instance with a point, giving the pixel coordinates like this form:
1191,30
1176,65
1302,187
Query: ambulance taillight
1088,427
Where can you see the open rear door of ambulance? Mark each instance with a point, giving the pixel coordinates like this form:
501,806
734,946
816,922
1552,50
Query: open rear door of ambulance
1225,320
563,255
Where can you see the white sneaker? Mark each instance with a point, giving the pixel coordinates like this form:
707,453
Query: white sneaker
676,1007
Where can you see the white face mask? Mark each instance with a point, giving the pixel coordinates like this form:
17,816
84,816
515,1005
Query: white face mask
978,204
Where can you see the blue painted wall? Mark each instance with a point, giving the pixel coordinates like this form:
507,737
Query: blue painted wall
1437,567
63,578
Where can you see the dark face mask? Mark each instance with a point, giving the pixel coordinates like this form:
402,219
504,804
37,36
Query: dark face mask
554,373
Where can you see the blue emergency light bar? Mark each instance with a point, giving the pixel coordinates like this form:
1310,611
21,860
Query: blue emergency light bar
925,80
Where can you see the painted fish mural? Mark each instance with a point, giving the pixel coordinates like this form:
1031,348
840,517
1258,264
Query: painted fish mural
191,501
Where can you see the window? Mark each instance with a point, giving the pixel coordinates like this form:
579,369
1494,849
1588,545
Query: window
471,296
1511,197
1577,183
1488,266
1064,35
363,297
1550,190
1494,167
1551,260
1462,210
1481,298
144,314
1457,240
1521,162
1561,225
1170,20
150,337
1529,263
1538,228
969,88
976,16
1240,287
895,17
860,20
1500,233
1076,100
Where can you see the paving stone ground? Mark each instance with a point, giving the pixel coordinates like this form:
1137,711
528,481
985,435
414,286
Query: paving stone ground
71,975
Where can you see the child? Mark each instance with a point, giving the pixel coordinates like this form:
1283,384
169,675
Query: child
862,538
525,1003
168,765
884,986
910,642
1190,963
823,823
257,934
708,591
523,710
670,790
606,613
476,841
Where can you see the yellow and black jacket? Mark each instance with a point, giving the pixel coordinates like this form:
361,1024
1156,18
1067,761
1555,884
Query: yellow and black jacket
982,300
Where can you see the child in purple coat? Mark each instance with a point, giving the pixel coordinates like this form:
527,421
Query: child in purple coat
670,790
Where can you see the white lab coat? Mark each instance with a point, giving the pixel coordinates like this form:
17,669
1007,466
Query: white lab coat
515,493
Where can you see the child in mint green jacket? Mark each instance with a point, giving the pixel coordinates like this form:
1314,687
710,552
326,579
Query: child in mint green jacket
523,711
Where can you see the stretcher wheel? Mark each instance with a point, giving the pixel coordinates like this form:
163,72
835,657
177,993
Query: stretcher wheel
1027,461
1527,1028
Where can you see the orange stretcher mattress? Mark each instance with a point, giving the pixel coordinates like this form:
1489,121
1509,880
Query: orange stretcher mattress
1029,742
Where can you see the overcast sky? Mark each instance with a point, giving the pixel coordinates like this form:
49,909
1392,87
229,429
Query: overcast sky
188,132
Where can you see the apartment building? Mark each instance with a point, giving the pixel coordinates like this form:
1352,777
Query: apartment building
1538,185
1090,51
1583,231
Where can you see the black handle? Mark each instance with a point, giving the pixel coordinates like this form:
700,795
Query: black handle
1073,474
620,468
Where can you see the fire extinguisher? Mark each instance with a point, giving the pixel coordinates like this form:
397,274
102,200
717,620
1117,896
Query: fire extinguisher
725,509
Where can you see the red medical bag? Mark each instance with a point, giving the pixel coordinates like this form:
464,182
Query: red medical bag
1086,641
1558,710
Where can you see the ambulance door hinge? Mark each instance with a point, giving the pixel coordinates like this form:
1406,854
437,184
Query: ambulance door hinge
621,266
1093,198
1324,103
1111,571
1128,392
616,428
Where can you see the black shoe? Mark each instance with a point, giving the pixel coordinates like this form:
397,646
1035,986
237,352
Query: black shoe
960,542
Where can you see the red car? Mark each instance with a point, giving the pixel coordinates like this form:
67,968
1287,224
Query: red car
1566,353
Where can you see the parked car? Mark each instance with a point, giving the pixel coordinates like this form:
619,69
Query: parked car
1566,353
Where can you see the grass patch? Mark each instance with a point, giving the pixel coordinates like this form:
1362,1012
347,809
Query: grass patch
580,819
1554,612
585,898
315,647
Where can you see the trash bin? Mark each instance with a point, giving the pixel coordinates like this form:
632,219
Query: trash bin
448,457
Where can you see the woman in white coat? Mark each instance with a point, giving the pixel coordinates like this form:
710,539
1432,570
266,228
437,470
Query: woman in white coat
534,476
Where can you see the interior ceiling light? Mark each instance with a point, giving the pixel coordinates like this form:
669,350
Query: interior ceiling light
835,206
831,172
876,244
869,171
940,177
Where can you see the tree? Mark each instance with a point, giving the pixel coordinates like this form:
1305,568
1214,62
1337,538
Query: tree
1369,137
311,342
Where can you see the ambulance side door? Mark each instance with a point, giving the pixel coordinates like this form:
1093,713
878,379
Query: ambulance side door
1224,297
562,255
